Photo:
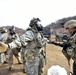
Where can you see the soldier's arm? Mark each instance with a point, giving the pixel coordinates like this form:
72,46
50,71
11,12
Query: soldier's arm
3,37
15,44
22,40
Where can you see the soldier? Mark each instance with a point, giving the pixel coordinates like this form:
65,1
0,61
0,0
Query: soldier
32,41
3,38
12,36
69,47
70,27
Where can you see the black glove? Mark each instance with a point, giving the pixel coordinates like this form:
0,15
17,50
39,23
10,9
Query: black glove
66,45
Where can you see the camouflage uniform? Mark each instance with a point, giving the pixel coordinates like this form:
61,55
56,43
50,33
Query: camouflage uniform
12,52
32,41
24,59
71,51
3,38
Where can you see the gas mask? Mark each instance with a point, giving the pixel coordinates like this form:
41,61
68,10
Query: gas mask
39,26
34,23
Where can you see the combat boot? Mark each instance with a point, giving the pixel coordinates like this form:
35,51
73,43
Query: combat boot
19,62
5,62
24,71
10,69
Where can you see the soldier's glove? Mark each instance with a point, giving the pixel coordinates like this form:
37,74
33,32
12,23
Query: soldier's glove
55,43
3,47
66,45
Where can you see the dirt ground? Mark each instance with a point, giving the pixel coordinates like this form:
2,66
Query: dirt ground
54,56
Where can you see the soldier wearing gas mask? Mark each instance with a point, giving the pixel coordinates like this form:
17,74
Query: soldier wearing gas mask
32,42
12,35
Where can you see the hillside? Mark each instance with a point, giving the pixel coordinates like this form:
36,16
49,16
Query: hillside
18,30
58,26
60,22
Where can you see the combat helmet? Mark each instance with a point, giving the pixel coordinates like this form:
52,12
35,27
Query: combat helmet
34,21
70,24
4,30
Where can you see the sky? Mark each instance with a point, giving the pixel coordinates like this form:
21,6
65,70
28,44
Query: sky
20,12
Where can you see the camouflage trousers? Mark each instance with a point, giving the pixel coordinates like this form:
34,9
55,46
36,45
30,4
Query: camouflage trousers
2,58
9,57
24,58
35,67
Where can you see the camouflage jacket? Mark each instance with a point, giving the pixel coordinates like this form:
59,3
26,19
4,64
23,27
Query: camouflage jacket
71,51
3,37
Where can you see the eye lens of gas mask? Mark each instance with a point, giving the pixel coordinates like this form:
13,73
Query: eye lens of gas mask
39,26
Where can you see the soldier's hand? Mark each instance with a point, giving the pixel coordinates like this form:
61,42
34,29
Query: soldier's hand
3,47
